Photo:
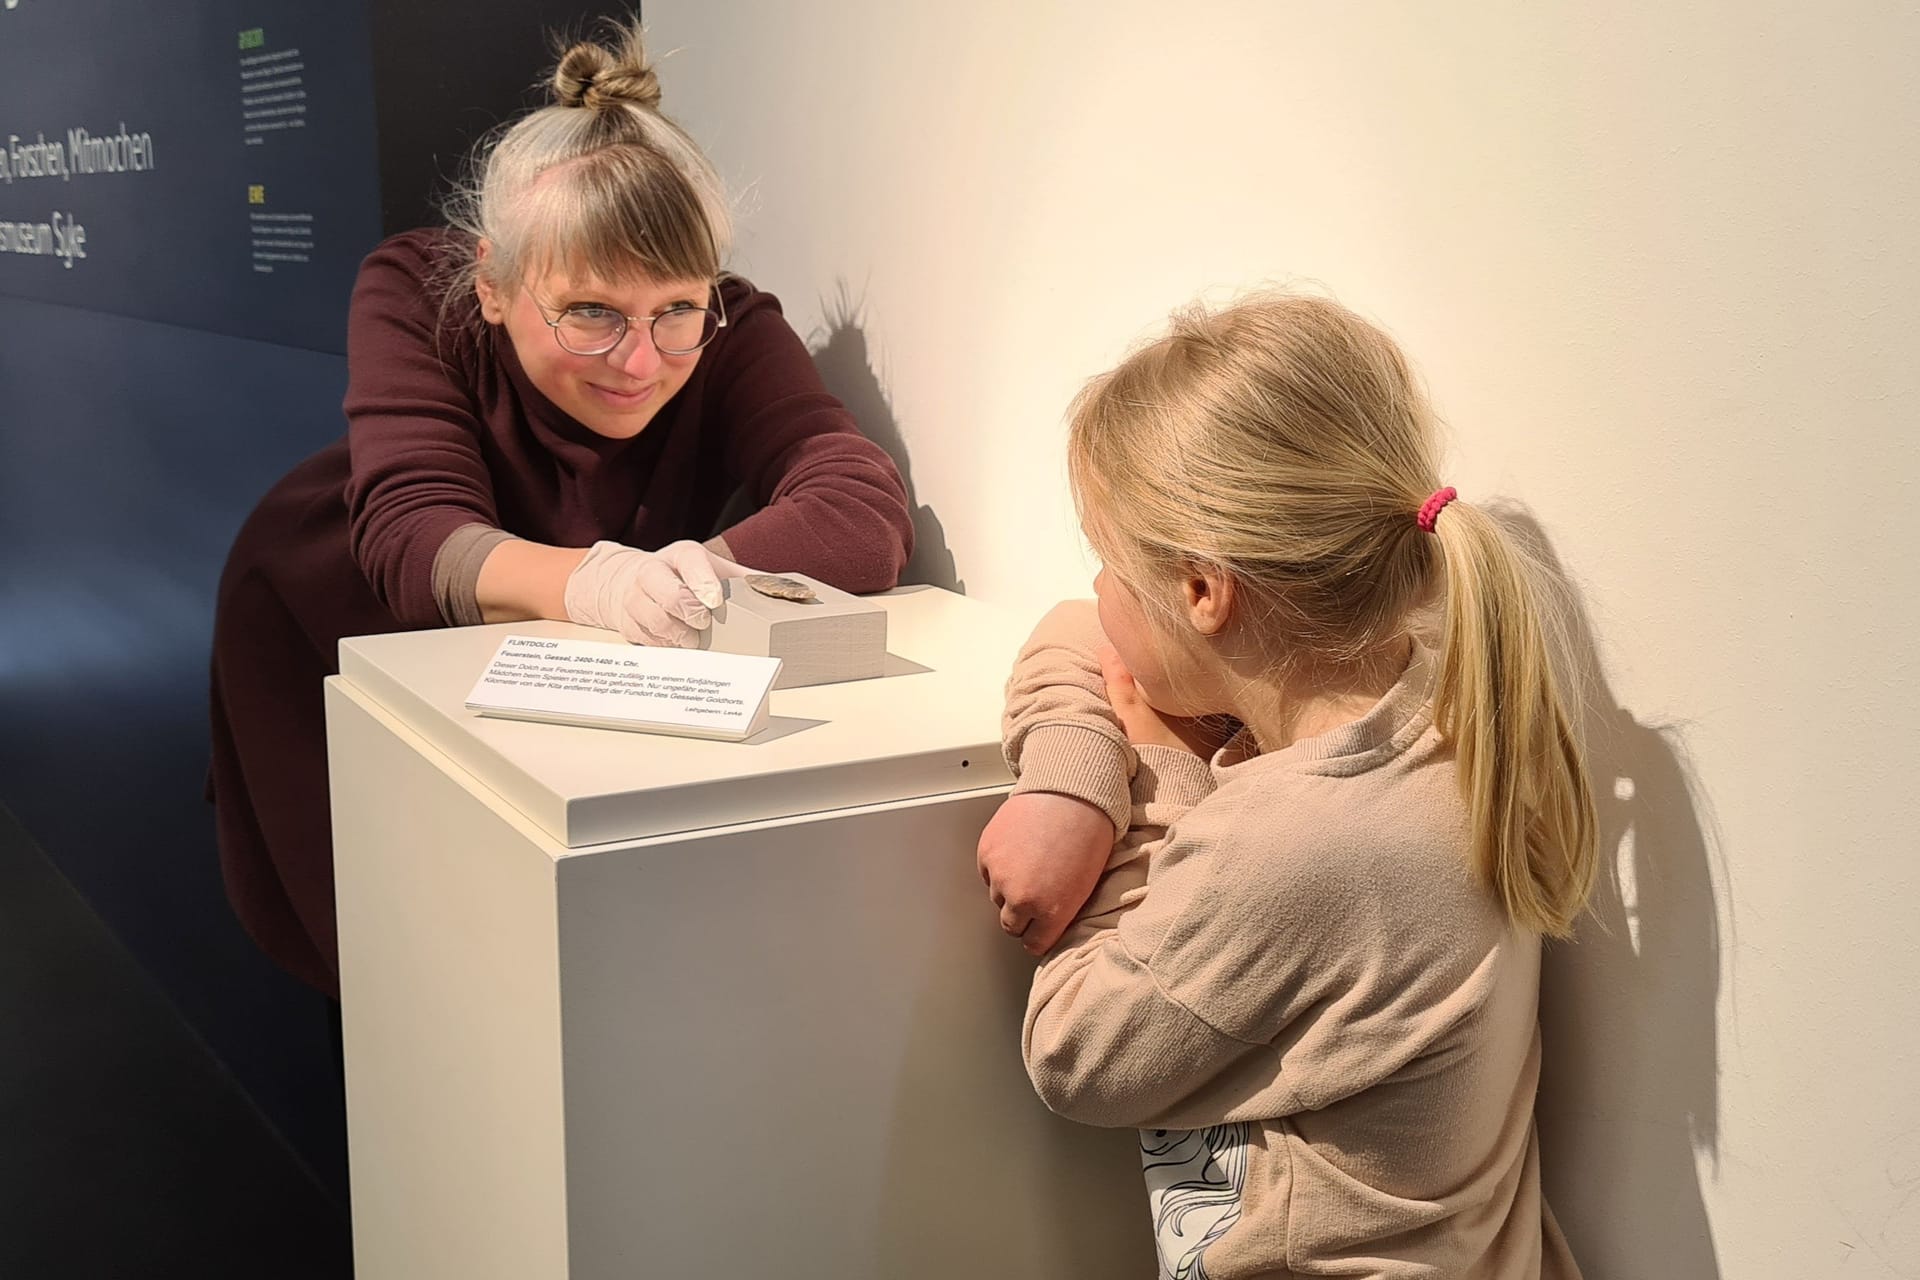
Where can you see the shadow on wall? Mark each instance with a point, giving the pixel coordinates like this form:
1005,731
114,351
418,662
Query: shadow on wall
1629,1094
847,369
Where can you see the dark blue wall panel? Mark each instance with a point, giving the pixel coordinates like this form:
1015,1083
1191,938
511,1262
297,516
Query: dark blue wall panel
129,453
153,388
152,385
241,189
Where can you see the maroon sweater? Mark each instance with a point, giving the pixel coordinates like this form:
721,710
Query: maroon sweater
444,430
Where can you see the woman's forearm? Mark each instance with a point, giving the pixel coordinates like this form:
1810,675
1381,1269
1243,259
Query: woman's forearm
521,580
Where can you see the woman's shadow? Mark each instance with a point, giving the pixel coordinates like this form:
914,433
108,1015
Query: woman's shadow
845,365
1629,1092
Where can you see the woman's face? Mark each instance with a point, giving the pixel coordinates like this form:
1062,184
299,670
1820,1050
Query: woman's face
615,394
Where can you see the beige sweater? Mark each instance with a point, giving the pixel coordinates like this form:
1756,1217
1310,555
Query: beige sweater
1322,1023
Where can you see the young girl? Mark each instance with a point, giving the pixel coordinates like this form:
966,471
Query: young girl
1316,994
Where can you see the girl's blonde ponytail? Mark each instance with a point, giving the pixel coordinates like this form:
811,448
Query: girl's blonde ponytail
1499,703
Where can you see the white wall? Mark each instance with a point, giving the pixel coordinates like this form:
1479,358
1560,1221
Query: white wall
1658,263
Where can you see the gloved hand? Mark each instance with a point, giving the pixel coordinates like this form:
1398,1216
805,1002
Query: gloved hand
663,597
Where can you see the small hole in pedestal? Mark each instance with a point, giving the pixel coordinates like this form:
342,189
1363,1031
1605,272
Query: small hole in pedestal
965,763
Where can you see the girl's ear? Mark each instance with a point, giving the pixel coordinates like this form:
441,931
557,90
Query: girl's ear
1210,594
492,307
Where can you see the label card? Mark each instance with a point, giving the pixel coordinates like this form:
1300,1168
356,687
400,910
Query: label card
685,692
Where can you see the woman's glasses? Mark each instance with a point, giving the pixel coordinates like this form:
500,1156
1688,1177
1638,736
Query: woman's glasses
589,329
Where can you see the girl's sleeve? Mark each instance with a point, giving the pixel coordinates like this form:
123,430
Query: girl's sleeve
1059,732
413,434
1256,977
1166,784
830,502
1108,1041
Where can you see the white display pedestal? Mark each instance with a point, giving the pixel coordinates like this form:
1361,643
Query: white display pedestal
619,1005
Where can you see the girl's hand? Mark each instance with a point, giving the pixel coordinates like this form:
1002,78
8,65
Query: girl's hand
1040,857
1145,726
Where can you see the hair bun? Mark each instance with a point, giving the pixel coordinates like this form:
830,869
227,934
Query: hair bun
622,86
593,76
579,68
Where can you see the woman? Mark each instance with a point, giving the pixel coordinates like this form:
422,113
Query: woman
545,403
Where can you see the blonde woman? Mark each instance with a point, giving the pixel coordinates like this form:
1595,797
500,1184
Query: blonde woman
1309,968
549,404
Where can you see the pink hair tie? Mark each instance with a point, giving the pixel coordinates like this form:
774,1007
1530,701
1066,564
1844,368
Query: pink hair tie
1431,508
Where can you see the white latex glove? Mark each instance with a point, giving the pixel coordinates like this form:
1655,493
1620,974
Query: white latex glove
663,597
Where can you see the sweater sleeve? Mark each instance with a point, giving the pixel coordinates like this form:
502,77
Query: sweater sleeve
413,433
1059,733
1107,1042
1168,782
830,502
1262,972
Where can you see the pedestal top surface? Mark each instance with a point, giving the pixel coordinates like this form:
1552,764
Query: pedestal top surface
929,727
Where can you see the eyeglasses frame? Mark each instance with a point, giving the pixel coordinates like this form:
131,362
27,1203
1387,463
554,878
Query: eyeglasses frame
719,310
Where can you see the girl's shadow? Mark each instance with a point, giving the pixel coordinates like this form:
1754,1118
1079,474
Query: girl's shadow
1629,1093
